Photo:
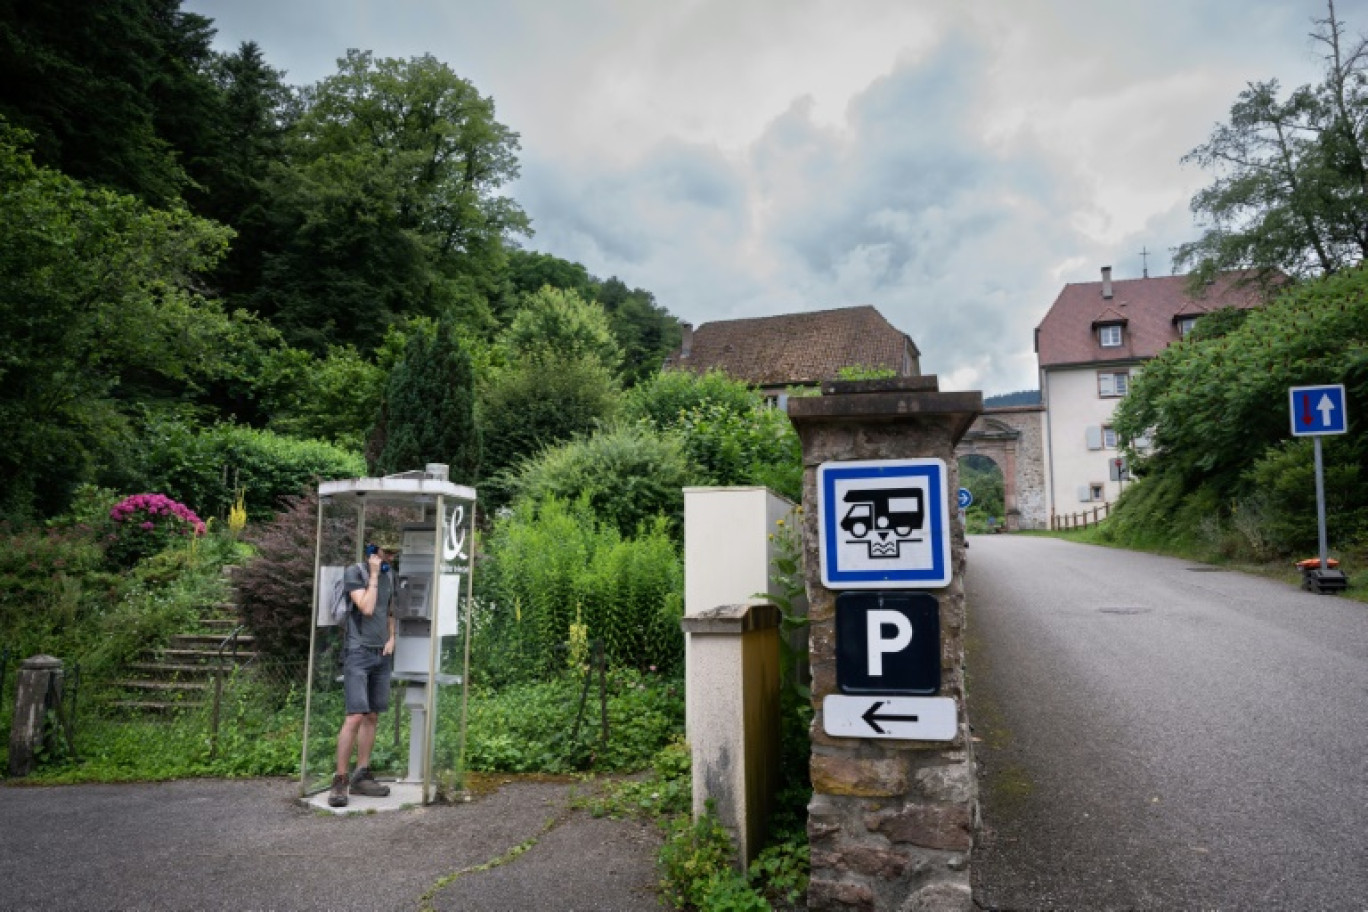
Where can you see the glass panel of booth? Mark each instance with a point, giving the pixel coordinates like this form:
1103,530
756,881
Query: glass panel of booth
427,523
450,659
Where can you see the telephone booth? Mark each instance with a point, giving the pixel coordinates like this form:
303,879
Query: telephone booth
428,523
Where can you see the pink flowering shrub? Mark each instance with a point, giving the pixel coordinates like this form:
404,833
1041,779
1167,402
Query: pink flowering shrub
147,523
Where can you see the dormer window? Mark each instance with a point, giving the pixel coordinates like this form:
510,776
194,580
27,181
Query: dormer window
1109,335
1185,325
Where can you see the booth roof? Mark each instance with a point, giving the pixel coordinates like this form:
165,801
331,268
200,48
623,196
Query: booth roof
394,488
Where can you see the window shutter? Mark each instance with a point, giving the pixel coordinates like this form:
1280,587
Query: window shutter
1084,494
1094,435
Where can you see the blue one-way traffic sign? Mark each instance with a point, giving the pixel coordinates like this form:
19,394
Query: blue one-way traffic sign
1318,410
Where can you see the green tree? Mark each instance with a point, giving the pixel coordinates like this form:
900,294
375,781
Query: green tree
558,324
97,300
390,205
1214,408
255,113
1291,188
646,331
429,408
114,92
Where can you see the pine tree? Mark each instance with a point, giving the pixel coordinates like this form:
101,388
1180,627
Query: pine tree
429,409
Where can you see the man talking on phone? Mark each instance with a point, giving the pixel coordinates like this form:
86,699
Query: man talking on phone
366,667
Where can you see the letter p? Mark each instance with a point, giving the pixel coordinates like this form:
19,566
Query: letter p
879,620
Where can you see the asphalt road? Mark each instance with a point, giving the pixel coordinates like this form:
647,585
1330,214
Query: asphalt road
247,844
1159,735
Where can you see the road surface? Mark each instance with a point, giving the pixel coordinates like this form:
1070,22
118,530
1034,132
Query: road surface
1155,734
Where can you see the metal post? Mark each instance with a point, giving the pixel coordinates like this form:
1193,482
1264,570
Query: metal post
1320,506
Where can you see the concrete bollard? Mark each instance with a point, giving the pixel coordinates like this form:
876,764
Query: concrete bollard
39,692
733,696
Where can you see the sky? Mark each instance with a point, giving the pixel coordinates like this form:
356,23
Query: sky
953,163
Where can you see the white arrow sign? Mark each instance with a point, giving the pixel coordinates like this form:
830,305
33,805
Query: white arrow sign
904,718
1327,410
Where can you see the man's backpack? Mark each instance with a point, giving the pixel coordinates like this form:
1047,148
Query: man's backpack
341,603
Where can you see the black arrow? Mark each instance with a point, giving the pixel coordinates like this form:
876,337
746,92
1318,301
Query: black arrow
871,716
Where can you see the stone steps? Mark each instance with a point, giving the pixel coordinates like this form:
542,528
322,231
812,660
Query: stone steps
179,676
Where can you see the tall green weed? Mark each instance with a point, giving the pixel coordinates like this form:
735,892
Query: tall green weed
551,564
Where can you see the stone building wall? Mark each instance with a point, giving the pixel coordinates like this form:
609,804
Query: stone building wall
1014,439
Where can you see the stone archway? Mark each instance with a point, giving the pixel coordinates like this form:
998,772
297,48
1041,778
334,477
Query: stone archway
1012,437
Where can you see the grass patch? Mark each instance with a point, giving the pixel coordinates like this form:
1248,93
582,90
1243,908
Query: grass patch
1353,563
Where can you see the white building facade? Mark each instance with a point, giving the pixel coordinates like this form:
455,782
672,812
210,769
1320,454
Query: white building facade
1091,346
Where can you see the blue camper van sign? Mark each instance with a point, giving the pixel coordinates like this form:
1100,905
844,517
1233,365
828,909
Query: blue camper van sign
884,524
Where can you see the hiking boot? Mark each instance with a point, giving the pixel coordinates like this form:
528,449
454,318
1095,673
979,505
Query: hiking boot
363,783
338,796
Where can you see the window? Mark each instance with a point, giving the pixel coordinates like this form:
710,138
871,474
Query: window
1113,383
1108,438
1185,325
1110,336
1095,492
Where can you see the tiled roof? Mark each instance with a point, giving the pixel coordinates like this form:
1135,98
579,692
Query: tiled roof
803,348
1067,336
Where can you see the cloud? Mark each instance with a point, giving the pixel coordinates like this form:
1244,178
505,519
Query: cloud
954,164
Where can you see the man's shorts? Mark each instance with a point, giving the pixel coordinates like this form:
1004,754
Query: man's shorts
366,679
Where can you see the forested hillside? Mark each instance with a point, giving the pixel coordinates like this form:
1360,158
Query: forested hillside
192,249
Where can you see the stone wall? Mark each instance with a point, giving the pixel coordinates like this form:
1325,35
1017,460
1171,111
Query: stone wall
1014,439
891,823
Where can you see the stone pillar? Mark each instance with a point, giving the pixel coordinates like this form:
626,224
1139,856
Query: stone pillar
1011,519
891,822
733,696
39,691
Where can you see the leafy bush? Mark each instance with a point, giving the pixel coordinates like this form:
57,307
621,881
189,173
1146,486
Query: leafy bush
628,474
725,427
1283,491
52,588
145,524
667,396
207,468
526,727
759,446
334,398
531,405
697,871
275,589
551,564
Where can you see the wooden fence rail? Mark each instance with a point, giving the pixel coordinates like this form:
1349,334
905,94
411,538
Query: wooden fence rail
1080,520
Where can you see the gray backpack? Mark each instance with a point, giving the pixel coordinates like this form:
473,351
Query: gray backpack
341,604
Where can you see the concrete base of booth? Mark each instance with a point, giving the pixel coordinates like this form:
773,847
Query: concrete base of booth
402,795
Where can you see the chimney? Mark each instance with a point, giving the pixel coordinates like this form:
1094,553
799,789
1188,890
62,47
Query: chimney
1106,282
686,340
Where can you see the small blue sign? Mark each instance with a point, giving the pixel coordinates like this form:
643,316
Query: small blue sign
884,524
1317,410
966,498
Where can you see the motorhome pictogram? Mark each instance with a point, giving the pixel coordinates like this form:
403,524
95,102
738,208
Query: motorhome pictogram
891,514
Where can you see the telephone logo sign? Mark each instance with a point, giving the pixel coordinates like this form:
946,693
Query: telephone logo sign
884,524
